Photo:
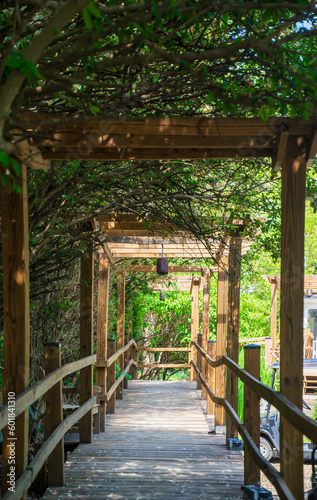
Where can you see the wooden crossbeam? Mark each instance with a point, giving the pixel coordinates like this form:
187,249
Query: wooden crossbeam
172,269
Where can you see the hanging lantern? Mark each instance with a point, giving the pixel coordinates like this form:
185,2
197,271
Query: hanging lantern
309,292
162,264
162,295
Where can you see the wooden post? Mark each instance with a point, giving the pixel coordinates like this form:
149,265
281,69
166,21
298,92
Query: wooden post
233,327
135,356
205,325
111,377
291,308
251,413
53,415
86,341
273,312
120,326
102,330
221,344
211,376
268,351
195,322
129,353
16,314
199,359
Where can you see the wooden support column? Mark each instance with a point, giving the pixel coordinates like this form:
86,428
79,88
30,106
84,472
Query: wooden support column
102,331
86,341
211,376
129,354
16,314
120,327
111,377
221,344
195,322
205,325
199,358
233,327
251,414
291,308
273,312
53,416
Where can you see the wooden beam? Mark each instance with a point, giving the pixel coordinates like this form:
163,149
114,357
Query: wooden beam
100,140
211,351
111,377
120,325
291,316
31,156
16,314
125,154
233,327
205,324
86,341
194,322
171,269
220,372
102,331
220,127
280,151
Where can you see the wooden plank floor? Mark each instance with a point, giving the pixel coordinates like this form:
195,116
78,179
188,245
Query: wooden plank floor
156,446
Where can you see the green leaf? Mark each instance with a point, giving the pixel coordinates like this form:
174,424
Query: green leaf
210,98
87,19
93,9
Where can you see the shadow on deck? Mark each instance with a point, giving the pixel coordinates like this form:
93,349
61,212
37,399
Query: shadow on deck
156,446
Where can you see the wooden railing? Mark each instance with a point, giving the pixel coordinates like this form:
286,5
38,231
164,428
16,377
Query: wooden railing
165,349
50,387
250,429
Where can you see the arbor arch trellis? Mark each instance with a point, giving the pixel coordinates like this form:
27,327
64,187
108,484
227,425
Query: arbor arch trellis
292,145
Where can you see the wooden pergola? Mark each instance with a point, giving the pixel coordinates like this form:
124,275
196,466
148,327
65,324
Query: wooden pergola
292,145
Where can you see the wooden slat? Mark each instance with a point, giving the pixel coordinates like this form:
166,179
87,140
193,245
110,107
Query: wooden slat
119,380
16,347
280,150
291,315
102,331
86,341
172,269
160,449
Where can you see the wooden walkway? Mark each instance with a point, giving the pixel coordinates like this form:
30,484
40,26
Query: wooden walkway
156,446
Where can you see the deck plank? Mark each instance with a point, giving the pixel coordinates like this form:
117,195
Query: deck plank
156,446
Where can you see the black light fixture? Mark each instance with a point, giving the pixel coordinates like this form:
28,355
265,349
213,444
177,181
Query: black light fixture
162,264
309,292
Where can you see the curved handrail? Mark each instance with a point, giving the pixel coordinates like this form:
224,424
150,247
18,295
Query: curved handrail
119,379
33,393
121,351
294,415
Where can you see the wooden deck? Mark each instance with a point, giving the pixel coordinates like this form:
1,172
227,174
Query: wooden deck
156,446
